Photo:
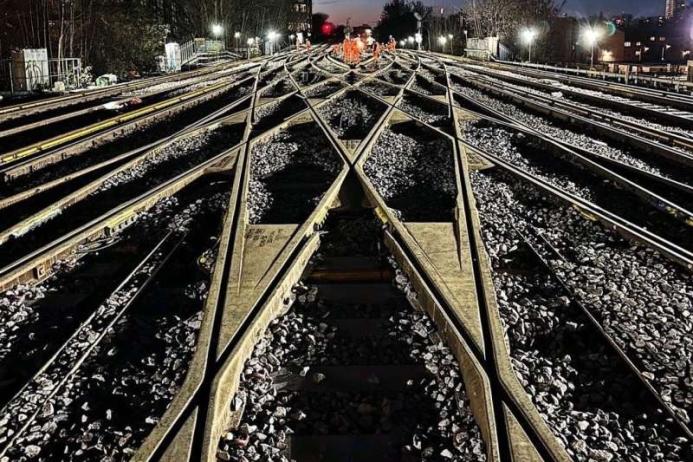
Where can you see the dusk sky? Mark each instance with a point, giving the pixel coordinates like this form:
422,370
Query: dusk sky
368,11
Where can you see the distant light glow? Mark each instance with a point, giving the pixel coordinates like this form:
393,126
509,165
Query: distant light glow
326,29
410,39
528,35
591,36
217,30
442,40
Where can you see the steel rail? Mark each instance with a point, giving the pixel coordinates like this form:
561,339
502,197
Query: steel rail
152,262
74,135
43,187
157,95
684,188
84,192
8,113
574,300
673,118
82,146
661,97
610,219
36,264
646,136
566,153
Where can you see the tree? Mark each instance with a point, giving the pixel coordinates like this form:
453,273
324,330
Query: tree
128,39
317,22
503,18
115,35
398,20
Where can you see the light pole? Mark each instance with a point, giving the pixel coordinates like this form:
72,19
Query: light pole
237,36
452,44
272,36
250,44
410,40
442,41
664,49
528,37
418,38
217,30
591,36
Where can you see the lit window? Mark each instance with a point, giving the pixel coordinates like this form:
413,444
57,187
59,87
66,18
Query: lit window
626,44
652,39
637,44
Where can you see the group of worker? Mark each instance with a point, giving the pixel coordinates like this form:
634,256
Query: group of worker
351,49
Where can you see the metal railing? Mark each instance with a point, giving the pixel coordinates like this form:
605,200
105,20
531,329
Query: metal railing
34,77
635,78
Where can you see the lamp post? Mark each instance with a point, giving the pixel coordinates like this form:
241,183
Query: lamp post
410,40
272,36
217,30
528,37
442,40
591,37
418,38
250,44
664,49
452,44
236,36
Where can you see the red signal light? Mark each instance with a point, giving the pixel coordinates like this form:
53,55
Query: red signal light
327,28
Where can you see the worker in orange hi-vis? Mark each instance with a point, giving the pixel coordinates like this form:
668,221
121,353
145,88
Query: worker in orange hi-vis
348,51
376,51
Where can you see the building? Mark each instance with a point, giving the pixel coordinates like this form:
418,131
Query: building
564,34
300,15
674,8
651,40
612,48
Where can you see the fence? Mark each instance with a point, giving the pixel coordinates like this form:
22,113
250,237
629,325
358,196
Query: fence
32,75
679,84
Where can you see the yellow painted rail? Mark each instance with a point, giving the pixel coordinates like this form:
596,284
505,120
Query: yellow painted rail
42,146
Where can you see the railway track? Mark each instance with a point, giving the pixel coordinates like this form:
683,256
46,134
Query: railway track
670,169
373,278
36,110
624,120
663,97
679,120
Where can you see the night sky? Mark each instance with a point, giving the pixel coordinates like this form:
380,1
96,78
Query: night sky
368,11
